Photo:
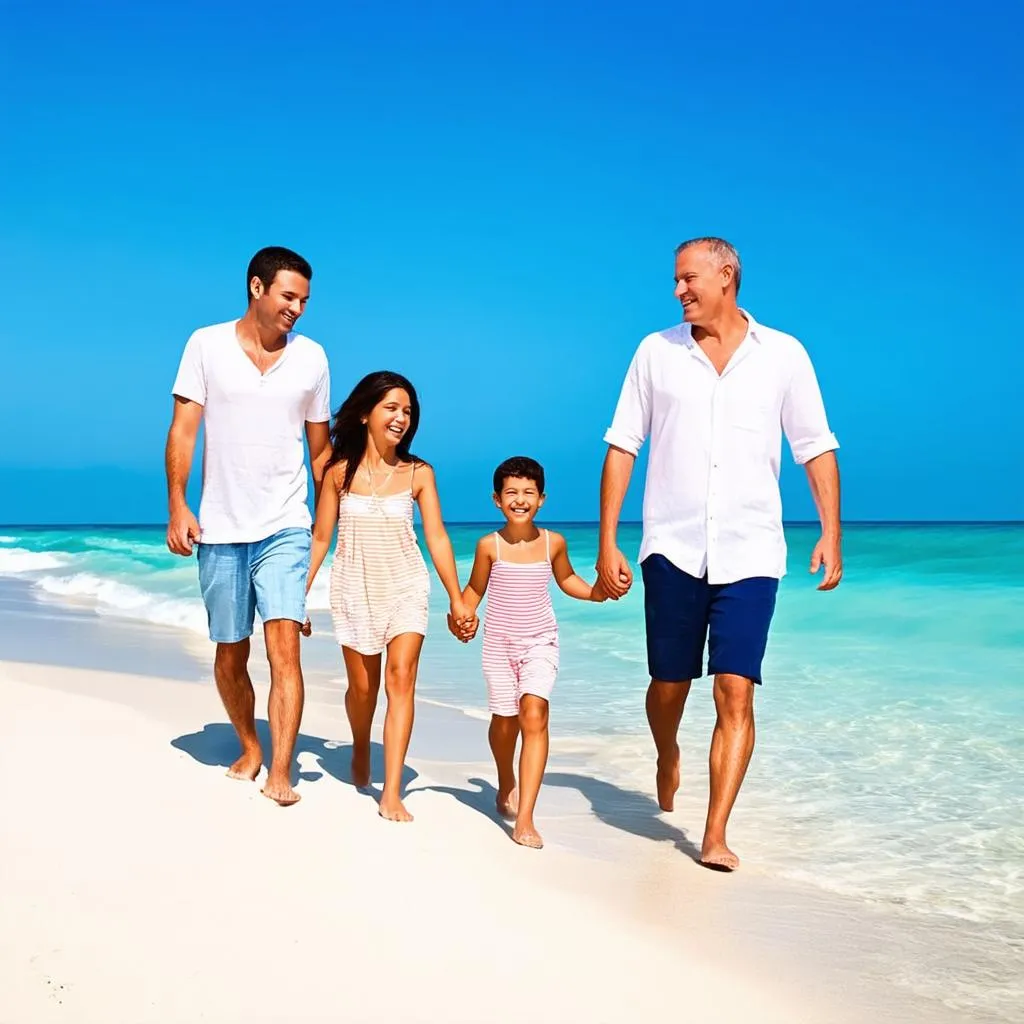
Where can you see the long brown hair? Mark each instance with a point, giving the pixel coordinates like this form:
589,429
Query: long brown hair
348,431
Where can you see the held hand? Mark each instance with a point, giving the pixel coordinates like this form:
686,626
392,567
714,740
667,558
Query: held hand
462,622
306,628
827,552
597,592
614,573
463,629
182,532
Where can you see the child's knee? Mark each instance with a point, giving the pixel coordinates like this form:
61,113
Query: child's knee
533,713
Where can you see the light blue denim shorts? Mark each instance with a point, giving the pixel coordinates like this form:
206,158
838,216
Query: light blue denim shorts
266,576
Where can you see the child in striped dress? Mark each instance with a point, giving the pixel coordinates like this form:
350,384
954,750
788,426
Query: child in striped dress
379,580
515,566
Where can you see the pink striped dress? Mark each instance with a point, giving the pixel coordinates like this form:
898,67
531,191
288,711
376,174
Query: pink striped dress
520,651
379,580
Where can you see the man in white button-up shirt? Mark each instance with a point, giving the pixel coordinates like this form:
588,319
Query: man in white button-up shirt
714,394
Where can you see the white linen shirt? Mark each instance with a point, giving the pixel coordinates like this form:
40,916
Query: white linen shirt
711,499
254,468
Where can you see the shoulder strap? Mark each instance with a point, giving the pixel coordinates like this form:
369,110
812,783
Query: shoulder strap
497,546
547,545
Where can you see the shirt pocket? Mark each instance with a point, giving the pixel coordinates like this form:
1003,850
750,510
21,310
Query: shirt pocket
750,430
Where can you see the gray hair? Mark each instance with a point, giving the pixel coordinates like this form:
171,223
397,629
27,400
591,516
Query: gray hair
722,250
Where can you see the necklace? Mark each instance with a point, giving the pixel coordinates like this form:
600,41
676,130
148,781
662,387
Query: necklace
376,498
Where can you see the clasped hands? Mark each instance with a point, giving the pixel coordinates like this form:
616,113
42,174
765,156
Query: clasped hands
462,623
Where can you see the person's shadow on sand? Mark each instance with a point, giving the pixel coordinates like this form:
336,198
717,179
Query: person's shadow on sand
216,745
483,799
623,809
626,810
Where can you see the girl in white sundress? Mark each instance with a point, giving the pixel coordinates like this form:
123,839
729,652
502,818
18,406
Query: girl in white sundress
379,580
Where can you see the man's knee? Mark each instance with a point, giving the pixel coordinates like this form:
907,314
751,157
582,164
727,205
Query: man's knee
231,659
282,637
669,696
734,698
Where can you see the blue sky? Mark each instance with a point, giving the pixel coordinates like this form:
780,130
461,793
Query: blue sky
490,194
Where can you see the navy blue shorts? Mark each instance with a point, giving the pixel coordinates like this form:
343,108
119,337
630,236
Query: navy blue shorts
682,610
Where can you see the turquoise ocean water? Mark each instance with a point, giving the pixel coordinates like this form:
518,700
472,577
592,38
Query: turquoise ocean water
890,757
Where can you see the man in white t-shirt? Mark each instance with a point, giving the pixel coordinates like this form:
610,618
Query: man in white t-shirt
257,387
714,394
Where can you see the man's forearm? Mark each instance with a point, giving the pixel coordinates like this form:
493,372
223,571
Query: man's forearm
618,467
318,468
823,476
178,465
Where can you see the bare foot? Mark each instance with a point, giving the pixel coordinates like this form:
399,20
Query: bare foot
280,792
668,781
392,809
527,835
508,804
360,768
718,857
247,767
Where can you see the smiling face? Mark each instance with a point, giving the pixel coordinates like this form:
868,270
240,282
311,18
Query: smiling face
279,306
519,500
704,285
390,419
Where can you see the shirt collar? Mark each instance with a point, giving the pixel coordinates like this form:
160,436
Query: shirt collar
753,330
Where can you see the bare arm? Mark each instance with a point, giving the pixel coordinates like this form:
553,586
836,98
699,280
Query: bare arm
565,576
464,628
326,521
318,438
823,476
480,575
435,534
612,567
183,527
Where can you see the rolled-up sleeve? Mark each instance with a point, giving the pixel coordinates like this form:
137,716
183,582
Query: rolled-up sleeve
804,421
631,423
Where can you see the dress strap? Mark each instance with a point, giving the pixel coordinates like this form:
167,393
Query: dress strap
547,545
497,547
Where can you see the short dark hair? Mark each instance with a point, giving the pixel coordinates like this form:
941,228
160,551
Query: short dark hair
267,262
519,466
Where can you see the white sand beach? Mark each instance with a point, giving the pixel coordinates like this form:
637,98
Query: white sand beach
145,886
148,888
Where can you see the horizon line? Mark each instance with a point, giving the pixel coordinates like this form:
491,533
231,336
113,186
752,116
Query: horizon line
554,522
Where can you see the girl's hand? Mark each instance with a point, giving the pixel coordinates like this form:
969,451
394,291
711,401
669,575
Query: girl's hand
306,628
598,593
464,621
465,630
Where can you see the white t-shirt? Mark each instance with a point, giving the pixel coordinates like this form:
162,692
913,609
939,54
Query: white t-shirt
711,502
254,469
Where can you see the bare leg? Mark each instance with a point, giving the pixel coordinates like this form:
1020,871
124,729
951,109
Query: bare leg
230,669
363,672
400,687
502,735
533,720
665,703
284,709
731,747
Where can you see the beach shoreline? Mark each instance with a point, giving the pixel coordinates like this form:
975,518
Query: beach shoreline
629,873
